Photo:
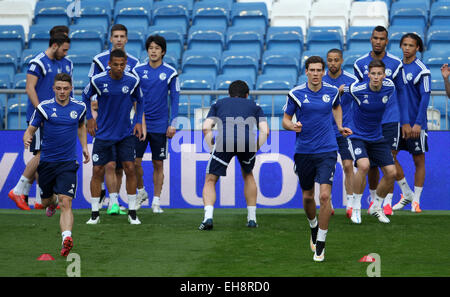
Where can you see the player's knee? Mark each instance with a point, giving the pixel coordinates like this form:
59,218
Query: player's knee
98,172
324,198
363,166
390,172
65,202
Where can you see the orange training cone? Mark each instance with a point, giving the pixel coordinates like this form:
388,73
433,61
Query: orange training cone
45,257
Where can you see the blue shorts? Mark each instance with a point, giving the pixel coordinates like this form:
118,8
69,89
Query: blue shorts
158,146
58,178
311,168
378,152
415,146
106,151
344,151
392,134
218,162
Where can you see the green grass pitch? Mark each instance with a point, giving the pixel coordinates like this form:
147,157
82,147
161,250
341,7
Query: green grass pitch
169,245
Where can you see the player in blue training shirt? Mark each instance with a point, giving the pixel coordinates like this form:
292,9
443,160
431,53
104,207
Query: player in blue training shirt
157,79
367,142
62,120
395,119
418,94
339,78
116,92
113,175
313,104
235,117
40,78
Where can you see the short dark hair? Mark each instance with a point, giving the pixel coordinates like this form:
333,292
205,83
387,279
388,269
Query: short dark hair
335,51
63,77
314,59
158,39
377,63
119,27
380,29
117,53
59,29
59,39
414,36
238,88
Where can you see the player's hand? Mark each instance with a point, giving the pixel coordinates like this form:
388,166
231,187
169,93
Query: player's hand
341,89
87,158
415,131
144,134
345,131
297,127
138,130
406,131
92,126
27,139
170,132
445,71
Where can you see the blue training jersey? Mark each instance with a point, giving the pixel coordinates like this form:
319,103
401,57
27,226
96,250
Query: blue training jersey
60,128
369,109
46,69
397,108
100,63
156,84
115,101
418,92
313,110
346,99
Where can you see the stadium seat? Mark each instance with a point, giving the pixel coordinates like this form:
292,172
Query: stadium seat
434,59
302,79
209,38
407,13
89,38
12,38
440,13
96,13
17,113
308,53
330,13
396,33
238,63
349,59
223,81
136,41
20,80
19,13
246,39
26,57
441,104
324,38
201,63
437,84
168,13
287,13
369,14
272,105
280,63
82,61
174,38
38,37
8,63
253,14
209,13
438,37
188,103
51,13
433,118
133,13
5,81
285,38
358,38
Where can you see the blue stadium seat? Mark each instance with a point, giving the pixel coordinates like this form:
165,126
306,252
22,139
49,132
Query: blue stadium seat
201,63
8,63
38,37
237,63
5,81
441,104
302,79
27,56
249,14
440,13
434,59
96,13
223,81
82,61
133,13
437,84
17,113
51,13
285,38
136,41
246,39
272,105
438,37
169,13
188,103
209,38
209,13
20,80
349,59
324,38
358,38
409,12
308,53
12,38
89,38
174,38
280,63
396,33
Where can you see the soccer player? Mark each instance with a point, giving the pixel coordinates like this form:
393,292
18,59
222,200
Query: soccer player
40,78
116,91
314,104
113,175
395,119
445,71
157,80
62,120
235,118
368,145
337,77
418,94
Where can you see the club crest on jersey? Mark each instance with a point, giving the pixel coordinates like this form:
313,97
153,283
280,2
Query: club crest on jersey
73,114
409,76
385,99
95,157
125,89
358,151
388,72
67,68
326,98
162,76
